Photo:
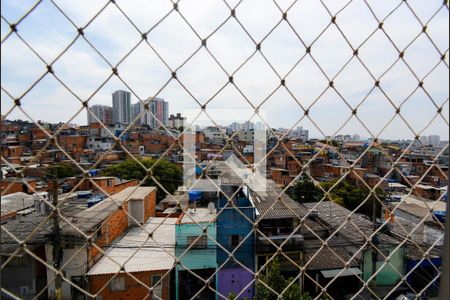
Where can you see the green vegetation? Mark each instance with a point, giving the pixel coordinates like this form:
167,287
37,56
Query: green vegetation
166,173
305,191
276,281
60,171
345,194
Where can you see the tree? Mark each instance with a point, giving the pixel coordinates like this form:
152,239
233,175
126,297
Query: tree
305,191
351,196
60,171
276,281
165,172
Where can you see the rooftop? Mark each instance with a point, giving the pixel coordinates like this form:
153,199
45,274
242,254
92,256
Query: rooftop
89,218
326,259
198,215
284,206
16,201
425,203
356,230
138,252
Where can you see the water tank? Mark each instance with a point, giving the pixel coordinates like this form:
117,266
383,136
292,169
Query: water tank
195,196
440,215
94,200
84,194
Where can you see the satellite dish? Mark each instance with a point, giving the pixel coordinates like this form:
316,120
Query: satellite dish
211,207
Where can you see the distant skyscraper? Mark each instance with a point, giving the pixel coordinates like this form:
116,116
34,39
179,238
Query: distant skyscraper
424,140
434,140
122,107
235,126
248,126
104,114
299,133
160,110
135,111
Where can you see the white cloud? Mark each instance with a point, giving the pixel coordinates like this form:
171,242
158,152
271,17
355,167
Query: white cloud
113,35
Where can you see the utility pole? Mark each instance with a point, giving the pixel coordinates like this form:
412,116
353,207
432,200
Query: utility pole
57,249
375,242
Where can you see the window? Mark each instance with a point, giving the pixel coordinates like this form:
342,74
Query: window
234,240
117,284
109,182
157,287
99,233
261,260
201,243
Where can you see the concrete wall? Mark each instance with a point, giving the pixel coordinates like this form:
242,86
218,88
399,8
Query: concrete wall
76,267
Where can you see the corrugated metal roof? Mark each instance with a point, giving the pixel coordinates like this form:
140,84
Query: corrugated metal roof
356,230
283,208
91,217
156,254
336,272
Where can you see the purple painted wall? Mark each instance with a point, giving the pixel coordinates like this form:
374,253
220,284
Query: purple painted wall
235,280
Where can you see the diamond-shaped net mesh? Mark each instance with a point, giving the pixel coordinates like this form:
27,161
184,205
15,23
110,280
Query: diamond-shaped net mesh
329,224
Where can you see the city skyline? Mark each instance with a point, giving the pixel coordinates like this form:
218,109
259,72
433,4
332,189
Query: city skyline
83,70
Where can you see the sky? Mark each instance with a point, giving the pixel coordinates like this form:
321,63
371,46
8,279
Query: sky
146,70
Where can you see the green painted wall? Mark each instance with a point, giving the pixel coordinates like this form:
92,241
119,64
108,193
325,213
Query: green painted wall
196,259
389,274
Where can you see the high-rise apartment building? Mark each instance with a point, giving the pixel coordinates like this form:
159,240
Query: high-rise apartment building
104,114
159,112
135,111
434,140
121,107
177,121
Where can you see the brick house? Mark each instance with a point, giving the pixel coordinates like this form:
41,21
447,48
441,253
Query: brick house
11,185
105,222
152,268
110,185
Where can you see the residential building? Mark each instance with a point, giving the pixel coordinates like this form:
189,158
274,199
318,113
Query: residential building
149,260
196,249
105,222
177,121
434,140
157,113
121,107
23,275
300,133
235,233
103,113
135,111
214,135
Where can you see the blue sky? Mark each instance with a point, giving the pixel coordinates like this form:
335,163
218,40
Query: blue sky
83,70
